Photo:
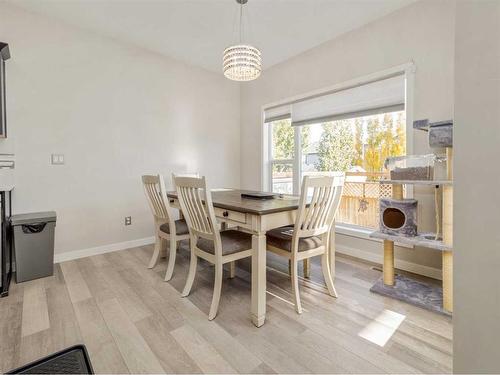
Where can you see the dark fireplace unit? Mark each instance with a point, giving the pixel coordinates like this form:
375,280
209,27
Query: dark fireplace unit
4,55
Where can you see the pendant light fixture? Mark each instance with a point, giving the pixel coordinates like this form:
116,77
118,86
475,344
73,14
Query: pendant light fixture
242,62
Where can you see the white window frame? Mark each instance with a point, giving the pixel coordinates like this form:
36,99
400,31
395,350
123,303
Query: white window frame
271,161
408,70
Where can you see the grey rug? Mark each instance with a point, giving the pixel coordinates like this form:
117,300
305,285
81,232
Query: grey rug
418,293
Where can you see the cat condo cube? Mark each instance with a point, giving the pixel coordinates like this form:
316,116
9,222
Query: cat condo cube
398,217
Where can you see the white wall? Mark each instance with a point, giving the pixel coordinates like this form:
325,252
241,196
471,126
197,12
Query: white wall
115,111
476,318
422,32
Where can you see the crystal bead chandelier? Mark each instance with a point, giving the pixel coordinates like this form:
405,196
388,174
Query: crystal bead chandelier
242,62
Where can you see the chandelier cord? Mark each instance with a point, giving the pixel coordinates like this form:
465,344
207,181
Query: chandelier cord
241,21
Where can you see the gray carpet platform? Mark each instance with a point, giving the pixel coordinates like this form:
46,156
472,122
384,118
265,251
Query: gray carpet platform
417,293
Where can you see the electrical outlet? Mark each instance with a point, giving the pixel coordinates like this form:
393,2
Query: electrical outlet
128,220
57,159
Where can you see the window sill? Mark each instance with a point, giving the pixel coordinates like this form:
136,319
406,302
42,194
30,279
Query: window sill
362,233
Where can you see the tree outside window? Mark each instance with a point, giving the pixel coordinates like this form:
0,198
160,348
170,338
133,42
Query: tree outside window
360,143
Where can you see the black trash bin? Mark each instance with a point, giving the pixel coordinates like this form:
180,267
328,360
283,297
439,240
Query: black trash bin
33,244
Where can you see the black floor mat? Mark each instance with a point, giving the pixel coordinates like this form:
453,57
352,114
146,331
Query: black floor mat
73,360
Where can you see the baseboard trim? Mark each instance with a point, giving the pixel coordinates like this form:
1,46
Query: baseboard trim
434,273
419,269
83,253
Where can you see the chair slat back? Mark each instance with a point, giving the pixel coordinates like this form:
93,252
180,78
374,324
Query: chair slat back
339,183
154,187
316,216
196,204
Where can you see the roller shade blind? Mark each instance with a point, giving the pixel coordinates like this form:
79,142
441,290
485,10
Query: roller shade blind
387,95
277,113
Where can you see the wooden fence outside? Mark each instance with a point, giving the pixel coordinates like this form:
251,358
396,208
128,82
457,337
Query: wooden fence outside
360,200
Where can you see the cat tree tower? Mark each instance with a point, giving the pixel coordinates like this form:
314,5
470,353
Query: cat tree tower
436,241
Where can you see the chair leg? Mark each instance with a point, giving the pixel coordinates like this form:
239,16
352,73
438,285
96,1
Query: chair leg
156,253
192,273
327,275
295,286
306,264
217,290
171,257
232,269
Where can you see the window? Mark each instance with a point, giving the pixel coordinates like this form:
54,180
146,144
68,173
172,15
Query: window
282,155
316,140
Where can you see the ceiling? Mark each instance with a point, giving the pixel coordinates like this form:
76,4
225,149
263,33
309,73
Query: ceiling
197,31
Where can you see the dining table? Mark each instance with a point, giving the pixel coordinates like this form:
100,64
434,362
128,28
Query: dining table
257,216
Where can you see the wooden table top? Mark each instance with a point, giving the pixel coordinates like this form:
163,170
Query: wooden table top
230,199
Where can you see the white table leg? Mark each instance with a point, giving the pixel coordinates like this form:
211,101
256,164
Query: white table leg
331,250
258,312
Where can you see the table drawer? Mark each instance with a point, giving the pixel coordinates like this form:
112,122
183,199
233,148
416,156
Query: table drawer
239,217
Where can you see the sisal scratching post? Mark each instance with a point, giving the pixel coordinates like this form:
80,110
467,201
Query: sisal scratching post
449,163
397,191
388,262
448,215
448,281
448,236
388,268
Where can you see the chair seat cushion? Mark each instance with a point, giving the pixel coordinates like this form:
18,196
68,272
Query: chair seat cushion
282,239
180,227
233,241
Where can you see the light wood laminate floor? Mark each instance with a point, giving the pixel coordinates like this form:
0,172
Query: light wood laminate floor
132,321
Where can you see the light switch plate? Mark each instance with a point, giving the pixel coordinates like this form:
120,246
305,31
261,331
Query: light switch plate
57,159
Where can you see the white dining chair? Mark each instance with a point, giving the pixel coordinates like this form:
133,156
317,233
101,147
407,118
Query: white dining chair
166,228
207,241
309,236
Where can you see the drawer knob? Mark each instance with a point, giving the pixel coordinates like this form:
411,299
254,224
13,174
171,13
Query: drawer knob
225,214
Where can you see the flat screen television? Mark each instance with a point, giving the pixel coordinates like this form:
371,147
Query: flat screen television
4,55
